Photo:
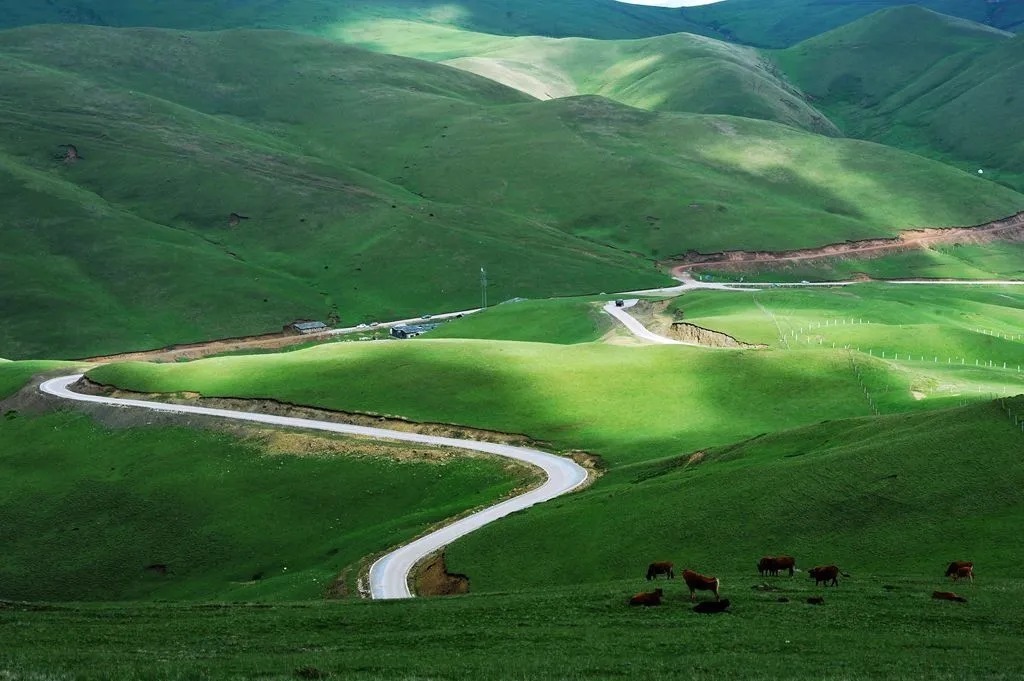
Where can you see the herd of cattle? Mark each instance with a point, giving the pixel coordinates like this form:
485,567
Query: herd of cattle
773,566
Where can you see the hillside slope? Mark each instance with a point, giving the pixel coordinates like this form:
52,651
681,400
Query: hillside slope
886,496
947,92
354,175
130,242
679,72
782,23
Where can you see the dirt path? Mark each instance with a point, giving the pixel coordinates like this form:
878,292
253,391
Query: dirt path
1007,229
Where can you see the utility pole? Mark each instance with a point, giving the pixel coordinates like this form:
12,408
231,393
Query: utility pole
483,288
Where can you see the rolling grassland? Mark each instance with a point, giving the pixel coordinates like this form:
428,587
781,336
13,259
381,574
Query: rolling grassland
173,184
864,631
130,506
434,172
626,404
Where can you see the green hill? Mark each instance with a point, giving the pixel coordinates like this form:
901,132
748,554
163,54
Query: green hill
884,496
132,245
356,175
947,92
679,72
782,23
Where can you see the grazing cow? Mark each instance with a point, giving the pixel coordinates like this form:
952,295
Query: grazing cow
708,607
966,572
647,598
960,569
697,581
948,596
661,568
826,573
772,565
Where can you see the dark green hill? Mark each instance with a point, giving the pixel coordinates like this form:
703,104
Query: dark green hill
947,89
376,187
592,18
781,23
765,23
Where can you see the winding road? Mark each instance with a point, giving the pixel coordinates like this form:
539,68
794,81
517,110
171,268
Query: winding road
389,575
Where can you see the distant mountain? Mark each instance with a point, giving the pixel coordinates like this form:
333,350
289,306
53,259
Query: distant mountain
948,88
765,23
782,23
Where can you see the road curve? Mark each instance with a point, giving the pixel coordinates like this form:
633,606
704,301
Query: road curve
389,575
634,326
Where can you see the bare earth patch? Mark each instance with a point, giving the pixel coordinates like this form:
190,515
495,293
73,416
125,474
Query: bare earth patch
1007,229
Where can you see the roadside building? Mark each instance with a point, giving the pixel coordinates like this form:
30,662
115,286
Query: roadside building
305,327
411,330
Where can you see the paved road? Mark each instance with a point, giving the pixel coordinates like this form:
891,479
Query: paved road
389,575
634,326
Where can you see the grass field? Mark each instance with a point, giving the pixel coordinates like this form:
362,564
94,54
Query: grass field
626,404
568,321
247,516
14,375
946,346
584,632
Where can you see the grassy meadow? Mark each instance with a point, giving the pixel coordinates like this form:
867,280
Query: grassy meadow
226,180
87,509
560,321
864,631
625,404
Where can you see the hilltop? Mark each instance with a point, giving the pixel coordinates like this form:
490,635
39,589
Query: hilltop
679,72
947,92
764,23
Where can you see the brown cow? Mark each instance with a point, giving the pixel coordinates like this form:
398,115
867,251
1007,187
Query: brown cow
960,569
661,568
825,573
948,596
774,564
647,598
697,581
966,572
708,607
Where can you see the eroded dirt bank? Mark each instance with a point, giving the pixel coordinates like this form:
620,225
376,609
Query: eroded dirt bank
656,317
1007,229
